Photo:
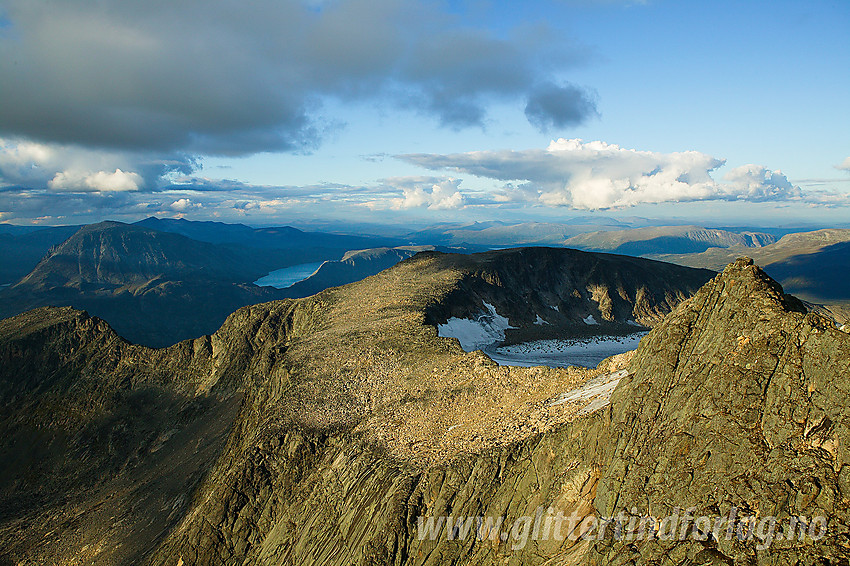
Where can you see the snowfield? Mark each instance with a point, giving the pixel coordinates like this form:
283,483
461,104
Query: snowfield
486,329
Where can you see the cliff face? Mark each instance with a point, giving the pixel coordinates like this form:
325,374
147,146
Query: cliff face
553,291
738,400
339,420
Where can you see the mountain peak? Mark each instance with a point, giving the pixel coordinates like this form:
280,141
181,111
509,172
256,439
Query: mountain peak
731,385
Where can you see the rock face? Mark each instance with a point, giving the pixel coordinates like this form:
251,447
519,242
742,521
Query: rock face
737,400
564,287
348,419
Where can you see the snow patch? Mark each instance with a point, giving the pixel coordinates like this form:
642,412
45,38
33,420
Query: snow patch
630,322
556,308
485,329
540,321
589,319
594,394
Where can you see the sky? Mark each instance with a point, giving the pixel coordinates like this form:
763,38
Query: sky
403,112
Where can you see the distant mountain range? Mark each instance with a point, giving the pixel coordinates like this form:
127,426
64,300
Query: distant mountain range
163,280
157,281
281,237
667,240
22,247
503,234
354,266
813,265
594,233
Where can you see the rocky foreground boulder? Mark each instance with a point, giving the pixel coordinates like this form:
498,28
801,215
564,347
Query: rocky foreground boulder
340,429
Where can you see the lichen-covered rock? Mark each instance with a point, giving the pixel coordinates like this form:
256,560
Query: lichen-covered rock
738,400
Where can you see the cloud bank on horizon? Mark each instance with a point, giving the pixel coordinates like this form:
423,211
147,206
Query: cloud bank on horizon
569,173
110,108
596,175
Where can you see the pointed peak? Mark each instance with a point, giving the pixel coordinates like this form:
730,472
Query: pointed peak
745,268
741,262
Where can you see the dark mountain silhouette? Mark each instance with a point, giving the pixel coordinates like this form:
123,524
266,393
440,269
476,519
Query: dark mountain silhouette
155,287
21,250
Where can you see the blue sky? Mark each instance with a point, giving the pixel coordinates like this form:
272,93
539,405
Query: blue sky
402,112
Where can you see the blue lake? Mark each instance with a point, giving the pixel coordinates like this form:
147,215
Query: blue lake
283,278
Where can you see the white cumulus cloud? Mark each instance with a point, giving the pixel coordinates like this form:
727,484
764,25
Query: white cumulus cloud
433,193
754,182
184,204
61,167
598,175
100,181
844,165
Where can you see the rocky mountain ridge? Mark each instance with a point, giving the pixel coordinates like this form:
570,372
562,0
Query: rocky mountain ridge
668,240
354,419
353,266
813,265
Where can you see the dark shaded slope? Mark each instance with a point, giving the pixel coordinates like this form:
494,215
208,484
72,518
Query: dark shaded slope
100,440
155,288
813,264
21,251
563,287
823,275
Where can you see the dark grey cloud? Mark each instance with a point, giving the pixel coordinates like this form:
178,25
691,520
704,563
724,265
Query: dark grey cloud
226,78
552,106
